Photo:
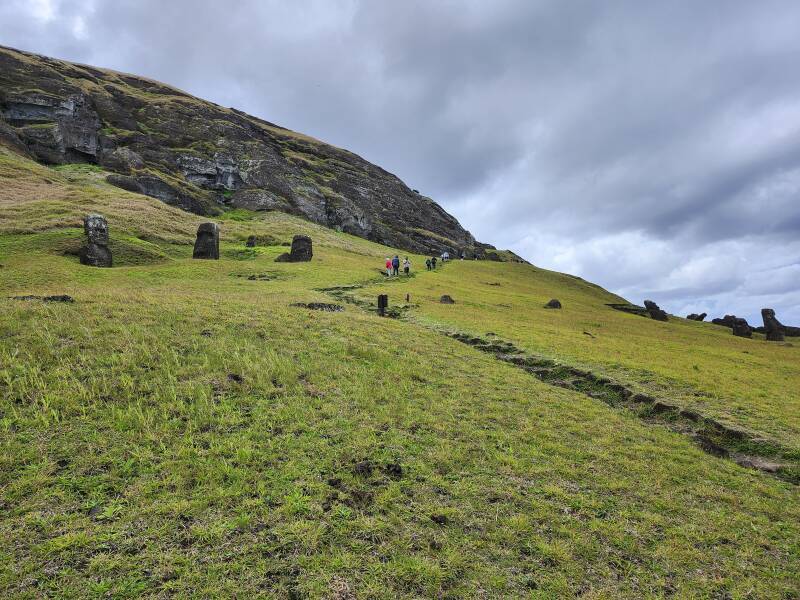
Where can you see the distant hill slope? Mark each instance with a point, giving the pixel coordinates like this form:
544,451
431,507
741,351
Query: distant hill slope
205,158
190,428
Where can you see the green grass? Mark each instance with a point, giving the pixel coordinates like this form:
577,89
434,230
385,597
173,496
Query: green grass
182,430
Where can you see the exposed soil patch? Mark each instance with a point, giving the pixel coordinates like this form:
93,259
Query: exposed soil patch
323,306
712,436
58,298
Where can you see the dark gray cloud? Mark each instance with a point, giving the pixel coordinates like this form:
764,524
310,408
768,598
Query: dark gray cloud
651,147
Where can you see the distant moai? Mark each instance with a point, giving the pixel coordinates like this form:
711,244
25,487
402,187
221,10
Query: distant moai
301,250
741,328
773,327
554,303
654,311
206,245
696,317
383,304
251,241
96,252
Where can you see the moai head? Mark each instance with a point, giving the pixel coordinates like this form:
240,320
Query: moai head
96,228
301,248
773,327
207,243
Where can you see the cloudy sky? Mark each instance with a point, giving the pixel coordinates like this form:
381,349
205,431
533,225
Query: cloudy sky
653,148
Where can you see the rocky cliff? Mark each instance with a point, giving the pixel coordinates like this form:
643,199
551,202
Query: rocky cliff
205,158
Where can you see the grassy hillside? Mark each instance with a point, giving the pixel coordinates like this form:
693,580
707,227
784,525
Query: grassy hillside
181,429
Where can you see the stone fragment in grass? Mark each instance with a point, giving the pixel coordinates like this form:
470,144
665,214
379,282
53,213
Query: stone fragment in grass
446,299
774,329
440,519
206,246
554,303
235,378
301,250
96,252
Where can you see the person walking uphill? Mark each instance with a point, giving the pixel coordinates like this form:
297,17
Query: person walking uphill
428,263
388,267
406,265
433,262
396,265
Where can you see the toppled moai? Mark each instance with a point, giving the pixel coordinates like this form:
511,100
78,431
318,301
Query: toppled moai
654,311
206,245
741,328
300,251
726,321
96,252
553,304
696,317
774,328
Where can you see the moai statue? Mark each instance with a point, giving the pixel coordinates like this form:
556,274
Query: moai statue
300,251
554,303
741,328
654,311
96,252
383,304
773,327
207,243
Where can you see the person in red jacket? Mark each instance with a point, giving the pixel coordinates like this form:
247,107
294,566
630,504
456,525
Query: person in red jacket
388,266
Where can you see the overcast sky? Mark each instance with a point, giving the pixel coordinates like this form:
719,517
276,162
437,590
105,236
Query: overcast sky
653,148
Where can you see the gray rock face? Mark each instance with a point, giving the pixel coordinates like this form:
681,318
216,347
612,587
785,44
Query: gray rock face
83,114
56,128
96,252
553,304
654,311
774,329
301,250
741,328
206,246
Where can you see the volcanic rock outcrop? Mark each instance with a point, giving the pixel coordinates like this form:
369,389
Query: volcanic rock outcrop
96,252
205,158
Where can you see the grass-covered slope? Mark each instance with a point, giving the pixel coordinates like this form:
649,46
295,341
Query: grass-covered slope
183,430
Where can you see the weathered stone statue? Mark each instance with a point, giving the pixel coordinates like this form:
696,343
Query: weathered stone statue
300,251
773,327
696,317
553,304
446,299
726,321
251,242
96,253
741,328
207,243
654,311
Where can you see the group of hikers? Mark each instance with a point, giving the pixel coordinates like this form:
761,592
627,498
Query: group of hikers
393,264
